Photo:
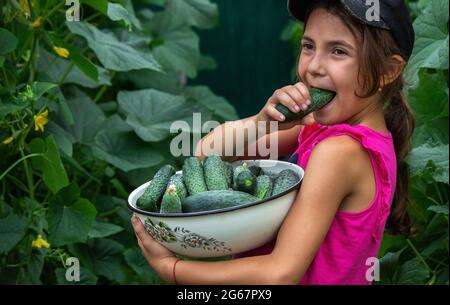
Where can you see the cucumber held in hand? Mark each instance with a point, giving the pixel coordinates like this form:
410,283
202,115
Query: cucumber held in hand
285,179
319,98
215,173
264,186
171,203
246,181
193,176
149,200
213,200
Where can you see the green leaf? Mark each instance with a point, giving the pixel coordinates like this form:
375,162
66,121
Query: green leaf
103,229
200,13
116,144
151,112
88,118
86,277
69,217
439,209
35,264
430,99
8,41
388,267
12,230
140,266
412,272
52,67
420,157
83,63
112,53
167,82
40,88
115,12
2,60
54,173
10,107
431,44
108,255
180,49
102,256
216,104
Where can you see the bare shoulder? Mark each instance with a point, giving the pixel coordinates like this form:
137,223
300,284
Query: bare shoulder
342,155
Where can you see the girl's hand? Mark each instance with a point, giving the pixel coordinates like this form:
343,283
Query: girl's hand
295,97
159,257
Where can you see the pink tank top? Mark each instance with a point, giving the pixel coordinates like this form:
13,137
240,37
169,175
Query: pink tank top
354,237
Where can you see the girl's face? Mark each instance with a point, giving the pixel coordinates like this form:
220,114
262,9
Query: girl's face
329,60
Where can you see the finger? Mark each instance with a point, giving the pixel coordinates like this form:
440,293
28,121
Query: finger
298,97
301,87
272,112
139,229
284,98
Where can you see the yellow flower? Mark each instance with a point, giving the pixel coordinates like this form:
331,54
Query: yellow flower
64,53
39,242
25,8
37,23
40,121
8,140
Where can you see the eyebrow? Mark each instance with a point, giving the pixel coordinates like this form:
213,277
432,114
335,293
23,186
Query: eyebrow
331,42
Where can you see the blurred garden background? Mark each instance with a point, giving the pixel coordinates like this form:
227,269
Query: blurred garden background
86,108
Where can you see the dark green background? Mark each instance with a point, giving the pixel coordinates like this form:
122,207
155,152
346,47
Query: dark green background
252,59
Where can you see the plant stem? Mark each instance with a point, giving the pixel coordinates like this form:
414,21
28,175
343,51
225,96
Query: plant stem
419,256
17,162
439,193
6,77
69,68
103,89
54,9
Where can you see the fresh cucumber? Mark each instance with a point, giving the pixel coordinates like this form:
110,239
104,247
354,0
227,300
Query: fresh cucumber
229,173
171,203
264,186
285,179
255,169
193,176
237,170
213,200
178,181
152,195
215,173
319,98
246,181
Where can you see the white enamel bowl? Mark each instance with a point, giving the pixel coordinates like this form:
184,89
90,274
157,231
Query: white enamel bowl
221,232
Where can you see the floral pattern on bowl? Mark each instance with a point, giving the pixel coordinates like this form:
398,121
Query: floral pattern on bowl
186,238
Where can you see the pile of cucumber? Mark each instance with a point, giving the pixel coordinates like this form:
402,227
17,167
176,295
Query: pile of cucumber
210,185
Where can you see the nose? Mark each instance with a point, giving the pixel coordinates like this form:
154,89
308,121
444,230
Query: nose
316,66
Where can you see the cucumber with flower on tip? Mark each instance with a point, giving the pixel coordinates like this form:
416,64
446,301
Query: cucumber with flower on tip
171,203
178,182
237,170
319,98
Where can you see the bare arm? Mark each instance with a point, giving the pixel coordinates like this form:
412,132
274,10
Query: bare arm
287,141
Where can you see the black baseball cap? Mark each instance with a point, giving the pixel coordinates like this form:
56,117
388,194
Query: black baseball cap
394,17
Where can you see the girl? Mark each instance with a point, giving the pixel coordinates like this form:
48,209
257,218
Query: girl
352,151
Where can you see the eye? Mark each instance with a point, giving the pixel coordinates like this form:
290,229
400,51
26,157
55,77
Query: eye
339,52
307,46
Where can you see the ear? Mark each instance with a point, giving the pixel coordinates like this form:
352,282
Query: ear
395,68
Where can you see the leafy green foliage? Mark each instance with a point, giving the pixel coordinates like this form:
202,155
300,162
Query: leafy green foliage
85,114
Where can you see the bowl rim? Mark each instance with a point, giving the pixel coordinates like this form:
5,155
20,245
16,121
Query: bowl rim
217,211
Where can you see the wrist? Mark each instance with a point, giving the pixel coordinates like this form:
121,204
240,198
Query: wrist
167,269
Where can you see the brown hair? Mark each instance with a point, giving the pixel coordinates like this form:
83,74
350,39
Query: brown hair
377,47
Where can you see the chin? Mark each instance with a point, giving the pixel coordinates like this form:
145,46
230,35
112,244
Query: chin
324,120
